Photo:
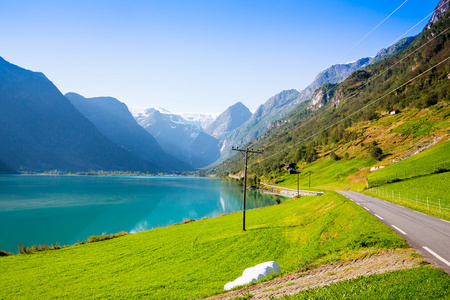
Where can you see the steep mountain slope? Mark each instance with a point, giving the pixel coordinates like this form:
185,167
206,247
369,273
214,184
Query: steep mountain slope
41,130
278,106
113,120
273,109
389,51
334,74
414,83
176,135
230,119
204,150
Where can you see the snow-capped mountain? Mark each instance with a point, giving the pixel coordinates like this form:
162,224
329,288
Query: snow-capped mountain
178,136
113,119
201,120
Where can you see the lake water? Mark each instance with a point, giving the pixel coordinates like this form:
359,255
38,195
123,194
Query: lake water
38,209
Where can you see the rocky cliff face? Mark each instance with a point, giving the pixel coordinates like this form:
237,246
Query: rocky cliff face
439,12
323,95
387,52
334,74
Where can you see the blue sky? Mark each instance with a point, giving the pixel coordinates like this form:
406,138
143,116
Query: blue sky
196,56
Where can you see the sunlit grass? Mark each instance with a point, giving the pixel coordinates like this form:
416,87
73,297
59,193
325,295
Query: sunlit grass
419,283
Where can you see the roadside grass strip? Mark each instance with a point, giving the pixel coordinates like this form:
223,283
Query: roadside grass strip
429,194
418,283
165,263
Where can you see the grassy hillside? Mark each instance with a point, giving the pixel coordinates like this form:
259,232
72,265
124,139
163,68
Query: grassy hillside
326,174
433,160
196,259
419,182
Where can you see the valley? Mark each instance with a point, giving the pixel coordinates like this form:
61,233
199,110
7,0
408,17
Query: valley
368,141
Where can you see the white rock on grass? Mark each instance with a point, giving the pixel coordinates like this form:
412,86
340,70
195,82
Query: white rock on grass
255,273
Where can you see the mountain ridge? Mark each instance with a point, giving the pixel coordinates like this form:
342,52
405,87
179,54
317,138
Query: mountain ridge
233,117
113,119
41,130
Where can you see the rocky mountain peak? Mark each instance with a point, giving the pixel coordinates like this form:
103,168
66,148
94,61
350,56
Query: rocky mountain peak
230,119
439,12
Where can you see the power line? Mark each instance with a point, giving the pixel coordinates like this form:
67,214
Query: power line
363,85
380,73
367,105
372,30
419,22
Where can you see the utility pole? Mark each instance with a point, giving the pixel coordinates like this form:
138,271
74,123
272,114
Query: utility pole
245,152
310,172
310,179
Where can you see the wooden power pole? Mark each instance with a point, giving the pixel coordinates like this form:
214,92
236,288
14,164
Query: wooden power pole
245,152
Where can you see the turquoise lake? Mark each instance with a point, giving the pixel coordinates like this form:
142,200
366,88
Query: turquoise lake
37,209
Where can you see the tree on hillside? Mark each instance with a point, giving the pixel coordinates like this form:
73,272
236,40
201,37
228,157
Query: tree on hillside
376,153
334,156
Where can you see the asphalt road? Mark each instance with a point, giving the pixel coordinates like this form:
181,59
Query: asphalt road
428,235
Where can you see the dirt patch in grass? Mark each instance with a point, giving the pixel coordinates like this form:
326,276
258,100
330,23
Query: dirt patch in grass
293,283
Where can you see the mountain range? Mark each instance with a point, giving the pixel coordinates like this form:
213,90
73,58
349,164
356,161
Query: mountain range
113,119
41,130
179,137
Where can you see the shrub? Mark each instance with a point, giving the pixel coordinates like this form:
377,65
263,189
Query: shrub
376,153
4,253
334,156
23,249
185,221
103,237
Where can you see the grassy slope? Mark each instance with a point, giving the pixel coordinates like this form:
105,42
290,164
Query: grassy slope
343,174
405,191
437,155
166,262
398,136
328,174
421,283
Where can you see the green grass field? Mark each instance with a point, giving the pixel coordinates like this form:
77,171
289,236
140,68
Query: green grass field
421,164
195,260
419,283
327,173
428,194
